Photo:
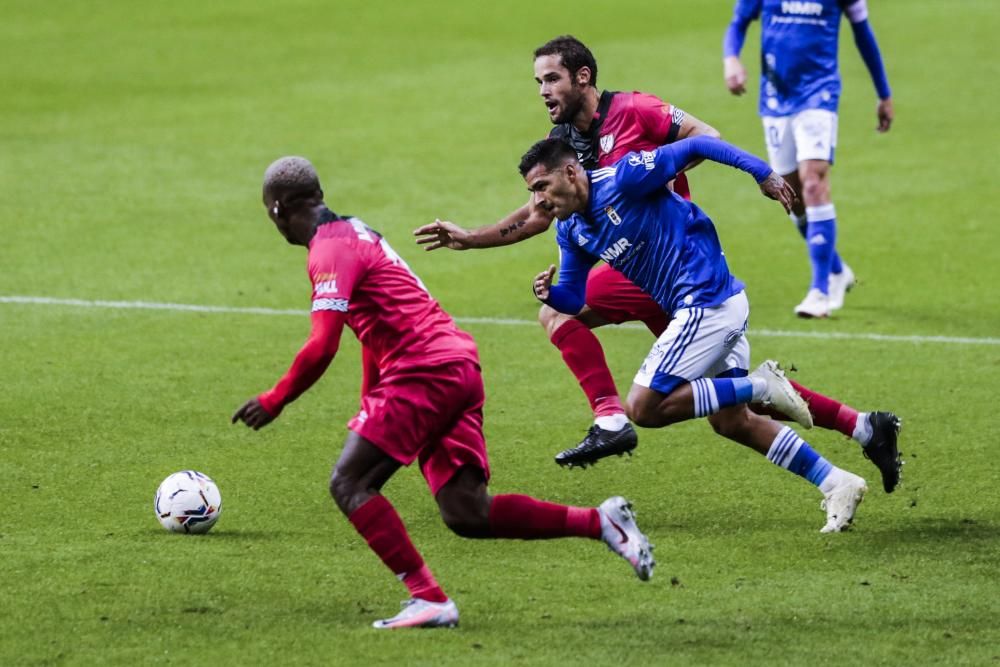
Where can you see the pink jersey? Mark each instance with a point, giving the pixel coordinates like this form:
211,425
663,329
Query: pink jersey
358,280
623,123
635,122
639,122
355,271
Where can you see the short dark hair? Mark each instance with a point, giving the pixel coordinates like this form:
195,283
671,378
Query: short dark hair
573,53
551,153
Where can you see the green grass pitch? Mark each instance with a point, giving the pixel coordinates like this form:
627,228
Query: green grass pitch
132,143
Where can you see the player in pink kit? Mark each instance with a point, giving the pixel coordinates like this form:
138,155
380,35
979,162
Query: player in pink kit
422,400
602,127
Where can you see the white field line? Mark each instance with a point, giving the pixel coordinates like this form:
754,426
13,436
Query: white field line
186,307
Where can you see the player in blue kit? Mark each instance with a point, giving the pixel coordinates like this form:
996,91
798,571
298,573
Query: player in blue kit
799,93
698,367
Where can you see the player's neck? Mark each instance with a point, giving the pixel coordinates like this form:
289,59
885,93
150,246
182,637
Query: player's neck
583,192
585,116
309,221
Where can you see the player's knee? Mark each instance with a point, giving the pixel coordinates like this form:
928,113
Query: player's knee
651,409
464,526
343,489
642,413
815,189
465,504
465,517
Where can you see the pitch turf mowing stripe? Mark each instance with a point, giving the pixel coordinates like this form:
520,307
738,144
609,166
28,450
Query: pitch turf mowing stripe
764,333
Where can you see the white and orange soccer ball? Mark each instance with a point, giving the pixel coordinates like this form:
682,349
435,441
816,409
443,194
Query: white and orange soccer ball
188,502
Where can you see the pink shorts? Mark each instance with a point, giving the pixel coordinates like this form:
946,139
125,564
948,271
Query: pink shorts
617,299
434,415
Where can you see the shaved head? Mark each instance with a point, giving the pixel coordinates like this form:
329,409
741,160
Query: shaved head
291,178
293,198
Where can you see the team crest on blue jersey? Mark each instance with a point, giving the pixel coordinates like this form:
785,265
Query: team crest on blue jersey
646,158
607,143
613,215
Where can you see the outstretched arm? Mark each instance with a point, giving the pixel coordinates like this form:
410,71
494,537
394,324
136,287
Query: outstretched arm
771,184
309,365
864,39
645,172
521,224
664,123
717,150
732,43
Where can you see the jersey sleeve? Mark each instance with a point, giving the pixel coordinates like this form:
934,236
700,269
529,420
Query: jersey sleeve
864,38
569,294
335,268
660,121
644,172
744,12
310,363
855,10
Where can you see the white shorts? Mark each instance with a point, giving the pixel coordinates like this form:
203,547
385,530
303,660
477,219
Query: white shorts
808,135
699,342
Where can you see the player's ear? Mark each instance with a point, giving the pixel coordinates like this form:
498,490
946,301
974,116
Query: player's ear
570,169
584,76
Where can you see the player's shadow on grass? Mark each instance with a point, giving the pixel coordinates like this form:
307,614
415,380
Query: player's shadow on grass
248,535
939,529
225,535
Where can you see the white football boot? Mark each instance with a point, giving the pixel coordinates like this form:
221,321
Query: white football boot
781,395
419,613
816,305
840,284
841,503
620,532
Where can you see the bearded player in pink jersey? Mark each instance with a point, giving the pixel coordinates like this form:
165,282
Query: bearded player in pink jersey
422,400
602,127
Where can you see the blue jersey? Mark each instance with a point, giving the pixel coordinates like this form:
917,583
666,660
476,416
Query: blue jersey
799,40
661,242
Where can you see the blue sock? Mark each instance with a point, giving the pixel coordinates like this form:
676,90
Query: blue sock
710,396
800,223
836,265
794,454
821,237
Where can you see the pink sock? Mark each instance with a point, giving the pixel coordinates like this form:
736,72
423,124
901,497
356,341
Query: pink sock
380,525
584,355
828,413
526,518
847,419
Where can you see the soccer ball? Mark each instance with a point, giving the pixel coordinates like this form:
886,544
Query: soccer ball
188,502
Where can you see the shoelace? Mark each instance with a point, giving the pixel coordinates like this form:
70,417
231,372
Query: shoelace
587,444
